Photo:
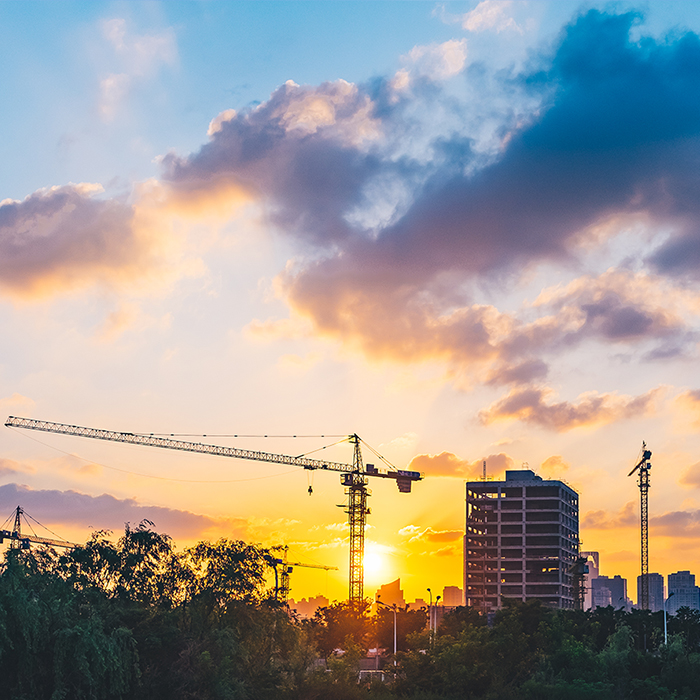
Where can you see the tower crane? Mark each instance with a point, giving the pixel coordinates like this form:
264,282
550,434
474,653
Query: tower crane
353,476
644,467
282,585
21,540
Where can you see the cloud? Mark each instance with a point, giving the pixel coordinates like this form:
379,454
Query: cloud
17,403
415,534
553,467
140,57
8,467
689,404
691,476
489,14
405,218
591,409
434,62
602,520
448,464
677,524
71,508
68,237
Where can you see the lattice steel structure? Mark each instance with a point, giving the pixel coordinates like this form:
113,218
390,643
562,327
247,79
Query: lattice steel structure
353,475
644,483
357,511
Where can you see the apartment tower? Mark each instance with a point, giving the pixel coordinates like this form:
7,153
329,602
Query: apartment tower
520,541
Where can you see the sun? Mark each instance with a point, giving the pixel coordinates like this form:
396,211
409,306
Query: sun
373,563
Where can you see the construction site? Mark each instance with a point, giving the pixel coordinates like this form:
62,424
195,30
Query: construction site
521,537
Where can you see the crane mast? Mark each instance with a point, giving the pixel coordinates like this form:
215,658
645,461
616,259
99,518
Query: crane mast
644,483
282,584
353,476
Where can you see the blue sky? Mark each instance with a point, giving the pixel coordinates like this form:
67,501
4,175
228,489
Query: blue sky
465,231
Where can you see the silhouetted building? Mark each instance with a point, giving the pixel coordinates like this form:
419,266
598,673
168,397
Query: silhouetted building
656,592
685,593
616,588
593,561
601,594
307,608
521,537
391,593
452,596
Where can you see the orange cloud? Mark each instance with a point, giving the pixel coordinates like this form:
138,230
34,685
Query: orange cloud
691,476
677,524
553,467
448,464
592,409
602,520
689,403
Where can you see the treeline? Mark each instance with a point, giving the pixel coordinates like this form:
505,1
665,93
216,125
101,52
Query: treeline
135,619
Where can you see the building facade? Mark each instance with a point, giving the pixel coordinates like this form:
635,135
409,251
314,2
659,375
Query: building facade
593,562
609,591
656,592
521,538
685,593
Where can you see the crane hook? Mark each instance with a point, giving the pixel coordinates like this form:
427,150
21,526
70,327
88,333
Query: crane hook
311,489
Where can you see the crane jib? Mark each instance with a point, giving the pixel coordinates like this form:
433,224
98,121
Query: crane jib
402,477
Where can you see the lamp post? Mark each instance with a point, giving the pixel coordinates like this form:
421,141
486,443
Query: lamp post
393,609
430,611
670,595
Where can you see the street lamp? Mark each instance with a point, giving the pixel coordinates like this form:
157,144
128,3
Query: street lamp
430,611
393,609
670,595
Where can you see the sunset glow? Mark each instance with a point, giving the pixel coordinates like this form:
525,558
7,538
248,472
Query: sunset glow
465,231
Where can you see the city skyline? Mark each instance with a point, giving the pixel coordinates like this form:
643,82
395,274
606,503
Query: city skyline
465,231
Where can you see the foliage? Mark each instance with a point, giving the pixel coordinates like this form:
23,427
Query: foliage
135,620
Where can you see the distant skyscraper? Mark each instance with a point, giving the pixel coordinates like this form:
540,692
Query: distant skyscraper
656,592
685,593
593,561
307,608
520,541
602,595
391,593
617,586
452,596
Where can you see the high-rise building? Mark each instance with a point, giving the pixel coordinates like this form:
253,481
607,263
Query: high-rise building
617,588
593,562
452,596
520,540
391,594
656,592
685,593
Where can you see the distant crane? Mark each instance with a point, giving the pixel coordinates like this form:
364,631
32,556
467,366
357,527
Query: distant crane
21,540
353,476
282,584
644,467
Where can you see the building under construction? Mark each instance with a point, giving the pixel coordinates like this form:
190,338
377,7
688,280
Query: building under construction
521,540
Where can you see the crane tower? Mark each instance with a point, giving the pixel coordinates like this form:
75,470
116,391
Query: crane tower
353,476
644,467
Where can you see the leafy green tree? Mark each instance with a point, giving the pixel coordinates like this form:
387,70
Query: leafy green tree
407,623
340,624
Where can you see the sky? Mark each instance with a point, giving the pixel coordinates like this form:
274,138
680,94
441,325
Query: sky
465,231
